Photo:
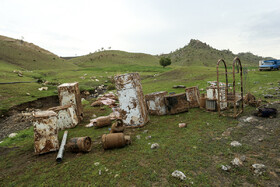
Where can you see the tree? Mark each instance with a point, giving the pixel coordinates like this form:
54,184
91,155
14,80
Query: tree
164,61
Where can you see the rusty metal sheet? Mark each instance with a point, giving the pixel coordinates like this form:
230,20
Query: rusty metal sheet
66,117
133,107
176,103
69,93
156,103
212,94
192,94
45,132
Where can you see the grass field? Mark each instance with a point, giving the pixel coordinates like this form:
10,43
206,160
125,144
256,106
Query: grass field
198,150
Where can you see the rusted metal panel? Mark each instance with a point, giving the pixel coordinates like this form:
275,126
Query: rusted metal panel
211,105
192,94
66,117
69,94
45,132
176,103
156,103
212,94
79,144
115,140
202,101
133,107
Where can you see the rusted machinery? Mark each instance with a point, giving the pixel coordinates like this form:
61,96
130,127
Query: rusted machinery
115,140
101,121
117,127
232,98
156,103
66,117
133,107
45,132
192,94
69,94
79,144
176,103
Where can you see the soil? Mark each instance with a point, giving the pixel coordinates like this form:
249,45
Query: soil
19,117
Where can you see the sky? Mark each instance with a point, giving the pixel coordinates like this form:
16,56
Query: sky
74,28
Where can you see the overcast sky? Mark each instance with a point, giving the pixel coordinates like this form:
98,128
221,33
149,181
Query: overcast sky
72,27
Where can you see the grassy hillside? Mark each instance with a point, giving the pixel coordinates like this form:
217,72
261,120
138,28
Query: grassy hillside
29,56
199,53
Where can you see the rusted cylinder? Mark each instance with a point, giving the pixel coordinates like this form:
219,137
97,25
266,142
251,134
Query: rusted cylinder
79,144
102,121
115,140
133,107
117,127
202,100
155,103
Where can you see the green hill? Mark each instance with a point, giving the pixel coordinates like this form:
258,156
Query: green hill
198,53
29,56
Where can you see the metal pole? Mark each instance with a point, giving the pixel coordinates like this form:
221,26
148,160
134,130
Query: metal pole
61,149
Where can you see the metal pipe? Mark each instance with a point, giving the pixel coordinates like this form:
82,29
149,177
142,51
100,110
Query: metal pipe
61,149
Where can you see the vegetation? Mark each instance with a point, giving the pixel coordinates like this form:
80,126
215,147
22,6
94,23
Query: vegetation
164,61
197,150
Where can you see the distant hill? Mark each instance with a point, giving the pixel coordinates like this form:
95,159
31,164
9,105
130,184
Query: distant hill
29,56
199,53
115,58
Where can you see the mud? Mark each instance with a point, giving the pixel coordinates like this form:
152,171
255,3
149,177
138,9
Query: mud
17,117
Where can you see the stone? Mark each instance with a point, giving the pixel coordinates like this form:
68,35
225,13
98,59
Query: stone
236,162
148,137
259,169
182,125
251,119
243,158
12,135
138,137
179,175
96,163
235,144
225,167
145,131
154,146
267,96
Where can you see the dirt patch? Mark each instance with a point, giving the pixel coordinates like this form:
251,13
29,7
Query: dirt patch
18,118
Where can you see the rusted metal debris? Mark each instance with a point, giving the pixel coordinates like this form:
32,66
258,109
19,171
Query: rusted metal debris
233,98
101,121
61,149
106,99
251,100
156,103
115,140
192,94
212,97
45,132
69,93
202,101
117,127
66,116
133,107
176,103
79,144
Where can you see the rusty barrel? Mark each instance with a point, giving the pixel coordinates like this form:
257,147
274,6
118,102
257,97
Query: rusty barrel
115,140
202,101
176,103
155,103
79,144
102,121
117,127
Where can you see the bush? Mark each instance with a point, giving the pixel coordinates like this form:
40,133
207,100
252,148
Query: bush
164,61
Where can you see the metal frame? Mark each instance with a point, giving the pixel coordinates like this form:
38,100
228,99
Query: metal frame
236,62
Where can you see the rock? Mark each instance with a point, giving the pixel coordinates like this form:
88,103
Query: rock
96,163
251,119
94,116
154,146
43,88
12,135
235,144
138,137
226,167
145,131
83,99
148,137
259,169
179,86
260,139
1,142
236,162
99,172
182,125
96,80
267,96
117,175
243,158
28,94
179,175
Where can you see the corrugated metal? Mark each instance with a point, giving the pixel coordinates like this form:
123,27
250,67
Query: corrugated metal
156,103
133,107
211,105
45,132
